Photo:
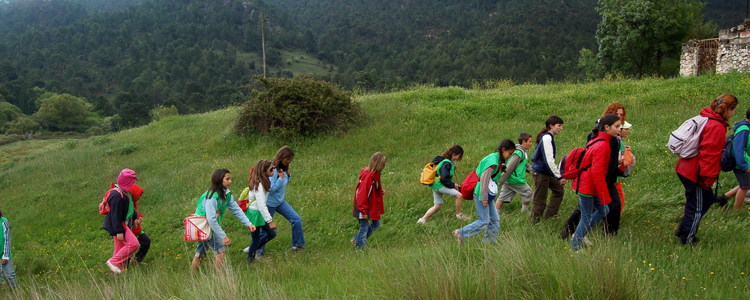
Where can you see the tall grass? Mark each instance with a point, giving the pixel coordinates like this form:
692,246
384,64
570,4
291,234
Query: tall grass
50,198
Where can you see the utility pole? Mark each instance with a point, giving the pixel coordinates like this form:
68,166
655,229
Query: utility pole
263,40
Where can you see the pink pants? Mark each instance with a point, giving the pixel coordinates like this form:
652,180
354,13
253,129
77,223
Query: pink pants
124,249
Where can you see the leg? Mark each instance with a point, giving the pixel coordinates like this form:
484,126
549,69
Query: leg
437,200
126,248
145,242
612,219
373,227
541,185
459,204
527,194
361,238
571,224
9,273
739,198
688,223
600,211
558,191
483,215
493,228
585,205
621,193
219,262
507,192
262,249
298,236
435,208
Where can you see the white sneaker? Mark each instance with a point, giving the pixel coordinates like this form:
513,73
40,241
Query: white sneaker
246,250
114,268
421,221
462,216
587,242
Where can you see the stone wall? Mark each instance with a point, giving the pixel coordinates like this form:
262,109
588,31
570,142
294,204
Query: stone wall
698,57
689,60
733,57
729,52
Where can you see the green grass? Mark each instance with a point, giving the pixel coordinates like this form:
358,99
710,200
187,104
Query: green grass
51,201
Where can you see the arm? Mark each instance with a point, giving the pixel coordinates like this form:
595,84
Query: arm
6,247
212,218
237,212
510,167
738,147
118,209
362,195
711,144
260,201
445,178
548,156
484,191
276,181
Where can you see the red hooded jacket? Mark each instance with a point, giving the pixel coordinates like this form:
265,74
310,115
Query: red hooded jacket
592,180
368,197
704,168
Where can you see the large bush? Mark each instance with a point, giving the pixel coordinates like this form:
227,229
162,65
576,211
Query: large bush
298,107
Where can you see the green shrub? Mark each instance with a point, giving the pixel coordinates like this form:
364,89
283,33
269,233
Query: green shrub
70,144
297,107
161,112
100,140
95,130
122,150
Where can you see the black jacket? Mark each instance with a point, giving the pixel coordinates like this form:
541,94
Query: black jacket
118,211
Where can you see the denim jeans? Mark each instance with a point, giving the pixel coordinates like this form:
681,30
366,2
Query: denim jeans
591,213
298,237
8,273
260,241
488,218
213,242
366,229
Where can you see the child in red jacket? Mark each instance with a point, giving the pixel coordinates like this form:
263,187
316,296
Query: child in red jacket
368,199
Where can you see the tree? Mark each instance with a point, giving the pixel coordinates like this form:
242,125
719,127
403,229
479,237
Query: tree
8,113
635,36
23,125
64,112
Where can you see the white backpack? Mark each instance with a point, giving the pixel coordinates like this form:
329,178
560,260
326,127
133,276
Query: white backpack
685,141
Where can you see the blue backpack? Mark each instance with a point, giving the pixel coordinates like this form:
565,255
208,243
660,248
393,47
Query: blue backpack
727,162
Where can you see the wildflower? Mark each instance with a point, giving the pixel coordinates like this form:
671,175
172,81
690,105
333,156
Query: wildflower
684,278
712,273
653,269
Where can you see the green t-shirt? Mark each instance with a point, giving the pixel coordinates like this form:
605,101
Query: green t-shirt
3,221
493,159
518,177
437,184
221,206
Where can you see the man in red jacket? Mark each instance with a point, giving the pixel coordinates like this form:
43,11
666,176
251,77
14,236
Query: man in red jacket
699,173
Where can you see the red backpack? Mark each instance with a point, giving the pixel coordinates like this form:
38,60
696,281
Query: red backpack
104,205
470,182
570,165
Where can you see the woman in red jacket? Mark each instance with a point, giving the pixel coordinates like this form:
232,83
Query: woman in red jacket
699,173
591,185
368,199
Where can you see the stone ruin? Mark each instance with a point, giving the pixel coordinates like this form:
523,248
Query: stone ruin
729,52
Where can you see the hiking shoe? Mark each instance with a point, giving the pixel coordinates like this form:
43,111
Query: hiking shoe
457,236
462,216
421,221
297,248
246,250
114,268
722,200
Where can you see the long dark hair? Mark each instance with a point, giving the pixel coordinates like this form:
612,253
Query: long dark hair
552,120
505,144
258,176
1,213
606,120
284,152
217,184
455,149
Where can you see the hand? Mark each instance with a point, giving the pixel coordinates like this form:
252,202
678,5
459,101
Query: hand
4,262
562,181
282,174
458,187
485,203
272,225
620,160
120,237
226,241
364,217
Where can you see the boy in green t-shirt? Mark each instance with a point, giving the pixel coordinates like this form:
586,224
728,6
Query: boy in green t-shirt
518,165
6,265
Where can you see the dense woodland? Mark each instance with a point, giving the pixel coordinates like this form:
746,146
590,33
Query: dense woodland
124,58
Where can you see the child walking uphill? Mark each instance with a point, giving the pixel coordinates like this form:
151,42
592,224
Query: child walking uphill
741,151
6,265
121,212
547,173
517,167
699,172
491,168
591,186
277,197
257,211
368,200
212,205
444,185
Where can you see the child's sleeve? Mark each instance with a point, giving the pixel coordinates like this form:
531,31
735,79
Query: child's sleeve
212,218
510,167
362,195
6,234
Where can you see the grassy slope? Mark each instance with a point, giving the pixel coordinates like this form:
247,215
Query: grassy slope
51,201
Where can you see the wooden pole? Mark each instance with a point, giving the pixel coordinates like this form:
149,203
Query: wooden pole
263,40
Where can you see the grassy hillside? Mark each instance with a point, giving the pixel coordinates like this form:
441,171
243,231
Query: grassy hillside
50,199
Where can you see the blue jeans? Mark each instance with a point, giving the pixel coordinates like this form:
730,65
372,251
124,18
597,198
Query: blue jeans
488,218
8,273
259,241
591,213
366,229
213,242
298,237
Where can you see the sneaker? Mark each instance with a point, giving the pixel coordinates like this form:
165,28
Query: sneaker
525,208
246,250
421,221
297,249
458,237
722,200
587,242
462,216
114,268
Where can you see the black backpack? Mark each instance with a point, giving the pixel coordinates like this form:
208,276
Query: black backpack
727,161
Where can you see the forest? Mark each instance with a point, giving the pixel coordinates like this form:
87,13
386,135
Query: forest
123,61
